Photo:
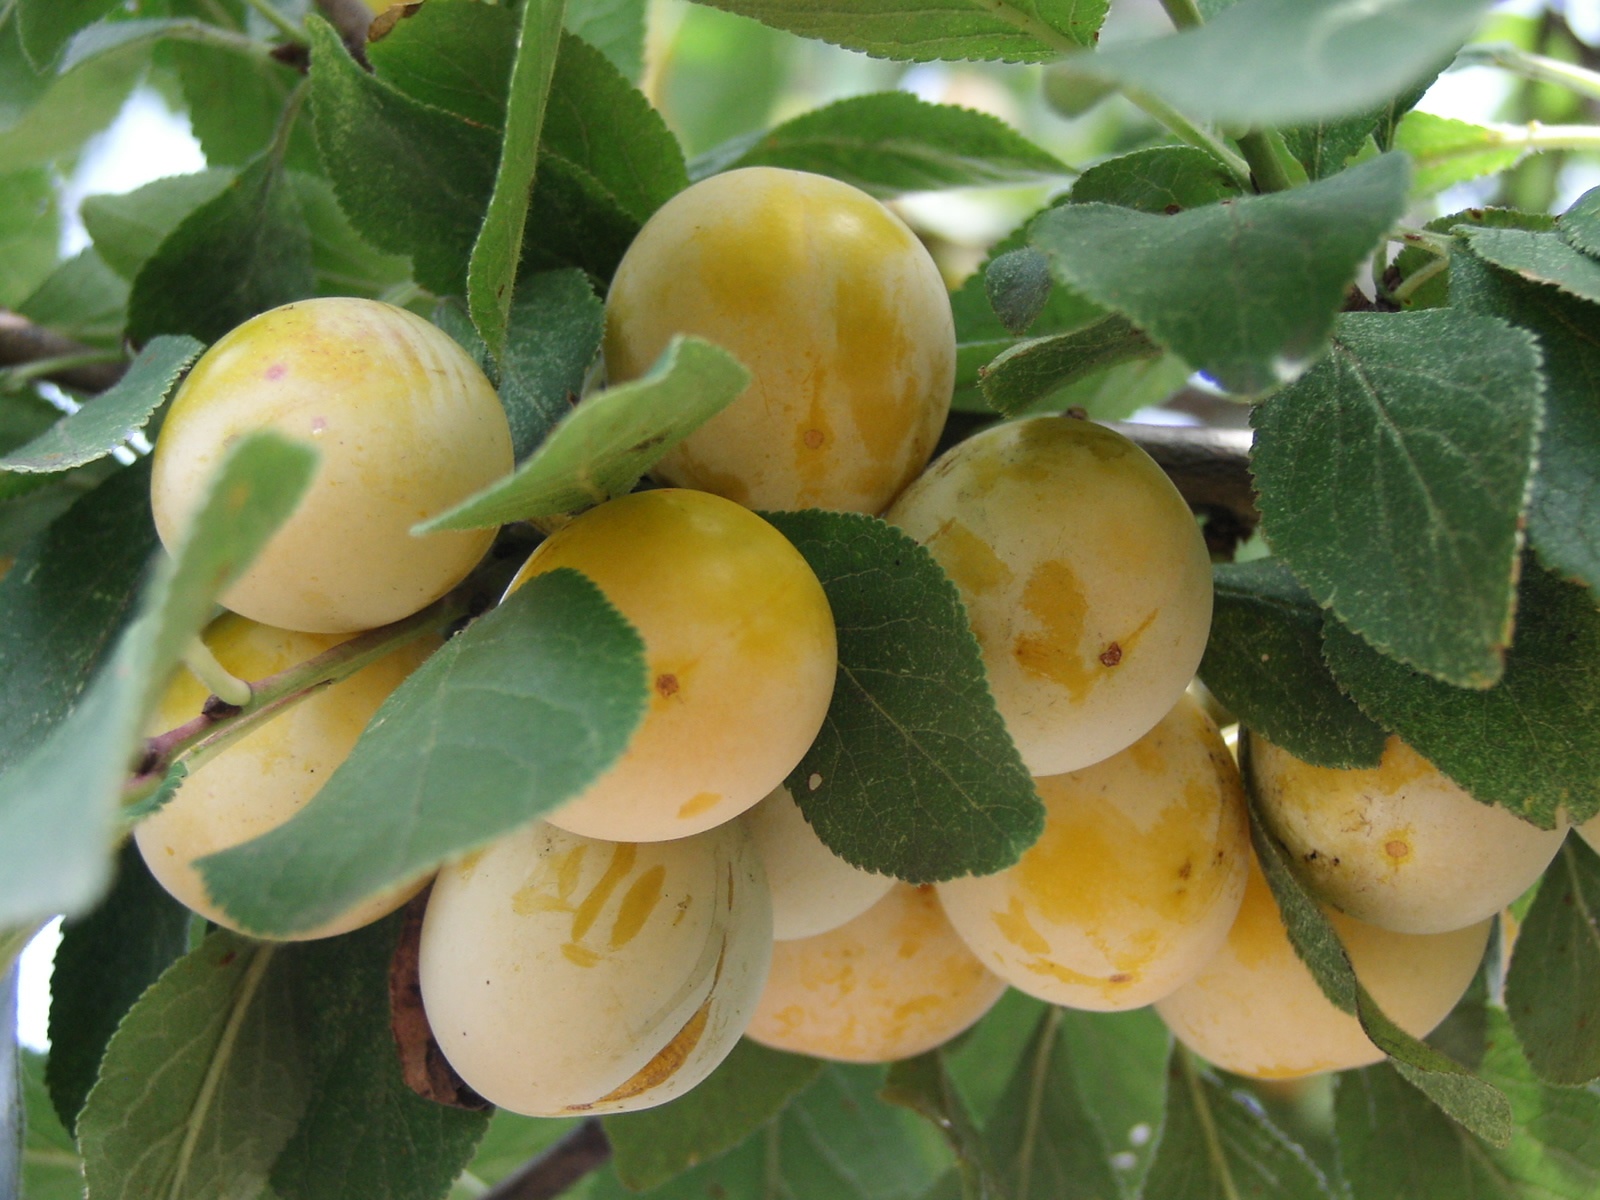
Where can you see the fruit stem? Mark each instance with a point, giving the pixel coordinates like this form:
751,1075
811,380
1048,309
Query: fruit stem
217,679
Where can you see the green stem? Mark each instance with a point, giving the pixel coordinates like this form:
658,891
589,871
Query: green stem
43,368
1423,239
1536,67
1535,135
279,21
216,678
1266,166
1186,130
1184,14
1417,278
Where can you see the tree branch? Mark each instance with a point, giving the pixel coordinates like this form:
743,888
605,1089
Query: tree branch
22,342
583,1150
352,18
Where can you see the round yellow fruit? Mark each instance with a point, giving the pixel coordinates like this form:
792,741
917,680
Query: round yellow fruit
406,426
892,983
562,974
740,649
1134,883
1255,1009
256,784
835,307
813,889
1398,845
1085,578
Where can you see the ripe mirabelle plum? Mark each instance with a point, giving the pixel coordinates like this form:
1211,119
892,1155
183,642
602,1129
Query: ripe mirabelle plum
835,307
406,425
1254,1009
740,648
813,889
1085,578
1398,845
1135,882
888,985
259,782
562,974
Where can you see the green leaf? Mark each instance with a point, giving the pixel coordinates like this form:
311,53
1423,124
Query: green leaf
1045,1140
51,1169
13,1114
236,97
888,143
553,337
492,269
453,56
1555,1152
1394,1145
1539,258
1447,152
1264,663
614,27
1435,292
923,1085
1213,1143
1324,147
237,255
364,1134
1263,277
1290,62
203,1082
983,1060
1391,480
518,713
83,299
105,422
1027,373
602,447
58,801
413,179
835,1140
104,963
913,774
751,1087
128,229
1580,224
1162,180
510,1142
1011,30
344,263
46,26
30,231
1564,510
574,221
44,120
1529,743
64,603
1553,987
1018,285
1476,1105
598,121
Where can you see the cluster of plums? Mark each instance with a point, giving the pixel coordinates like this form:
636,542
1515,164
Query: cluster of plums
609,957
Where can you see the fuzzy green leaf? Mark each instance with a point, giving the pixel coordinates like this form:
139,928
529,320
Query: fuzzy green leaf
602,447
1289,62
129,228
751,1087
913,774
1011,30
553,337
30,231
1529,743
1391,480
1164,180
103,965
1029,372
1580,224
1264,276
518,713
51,1169
412,178
58,801
492,270
1539,258
452,56
1555,1153
237,255
614,27
105,422
888,143
1447,152
1264,663
45,119
1553,987
203,1082
83,299
1018,285
1564,510
46,26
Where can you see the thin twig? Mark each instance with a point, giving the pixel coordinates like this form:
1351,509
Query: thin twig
22,343
583,1150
